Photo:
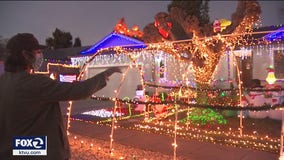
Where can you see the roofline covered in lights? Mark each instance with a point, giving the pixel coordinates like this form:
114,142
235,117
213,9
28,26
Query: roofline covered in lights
114,40
276,36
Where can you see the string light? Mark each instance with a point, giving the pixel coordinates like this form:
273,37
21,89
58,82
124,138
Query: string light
200,48
68,117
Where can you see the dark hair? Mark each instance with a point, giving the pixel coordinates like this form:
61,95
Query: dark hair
22,42
15,63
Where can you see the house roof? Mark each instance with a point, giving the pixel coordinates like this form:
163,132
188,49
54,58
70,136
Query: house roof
112,40
277,35
275,30
273,34
116,39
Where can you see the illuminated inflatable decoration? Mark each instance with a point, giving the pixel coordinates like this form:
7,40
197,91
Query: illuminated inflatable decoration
122,28
224,23
162,29
270,76
217,26
220,25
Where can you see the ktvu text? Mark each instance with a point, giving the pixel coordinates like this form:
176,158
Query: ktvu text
30,145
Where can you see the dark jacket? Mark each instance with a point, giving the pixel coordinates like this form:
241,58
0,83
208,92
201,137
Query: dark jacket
29,106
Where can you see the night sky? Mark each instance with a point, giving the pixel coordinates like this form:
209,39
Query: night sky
93,20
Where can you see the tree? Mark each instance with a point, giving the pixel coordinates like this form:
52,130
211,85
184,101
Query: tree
197,8
206,46
60,39
151,35
163,29
77,42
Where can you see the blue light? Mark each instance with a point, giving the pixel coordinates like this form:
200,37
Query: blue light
277,35
113,40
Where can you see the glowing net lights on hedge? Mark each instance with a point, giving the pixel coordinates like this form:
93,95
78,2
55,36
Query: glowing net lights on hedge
103,113
205,116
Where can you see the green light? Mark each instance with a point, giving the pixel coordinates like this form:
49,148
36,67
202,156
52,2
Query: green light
205,116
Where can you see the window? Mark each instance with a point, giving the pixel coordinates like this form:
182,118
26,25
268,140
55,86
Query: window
67,78
279,64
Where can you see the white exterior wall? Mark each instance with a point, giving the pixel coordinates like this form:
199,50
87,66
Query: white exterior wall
225,70
262,59
128,85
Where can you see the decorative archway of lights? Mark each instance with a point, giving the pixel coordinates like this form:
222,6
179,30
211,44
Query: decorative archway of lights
169,49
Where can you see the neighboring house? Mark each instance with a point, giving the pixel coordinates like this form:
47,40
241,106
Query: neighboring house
57,62
60,56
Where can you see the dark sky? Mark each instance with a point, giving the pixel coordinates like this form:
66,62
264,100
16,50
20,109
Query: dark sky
93,20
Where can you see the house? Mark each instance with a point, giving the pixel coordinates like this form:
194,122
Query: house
266,51
57,62
162,68
265,55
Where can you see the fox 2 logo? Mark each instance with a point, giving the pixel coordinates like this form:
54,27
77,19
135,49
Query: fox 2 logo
30,142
